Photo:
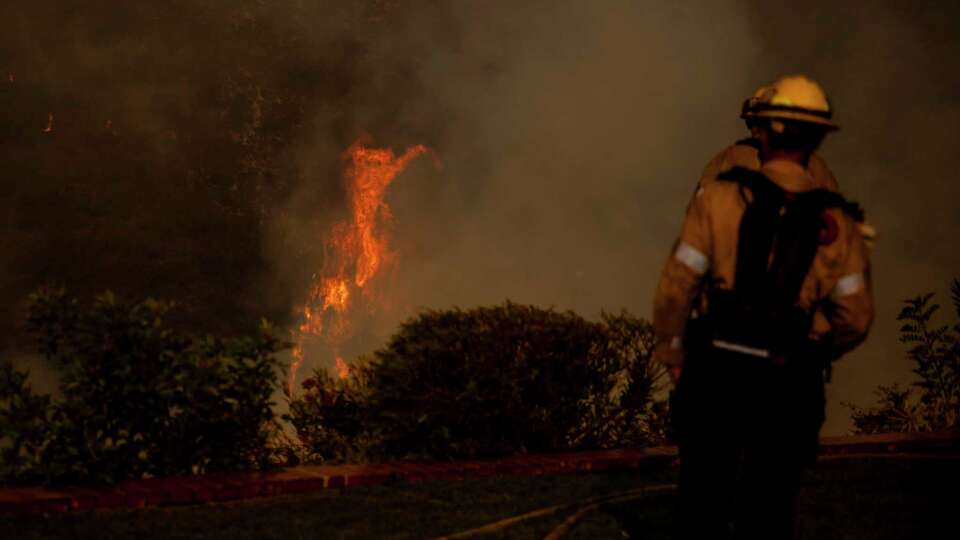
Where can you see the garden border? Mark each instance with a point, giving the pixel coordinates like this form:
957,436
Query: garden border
305,479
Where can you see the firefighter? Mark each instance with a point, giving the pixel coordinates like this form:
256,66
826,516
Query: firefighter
766,249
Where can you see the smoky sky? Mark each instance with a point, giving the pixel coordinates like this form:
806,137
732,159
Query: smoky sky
569,136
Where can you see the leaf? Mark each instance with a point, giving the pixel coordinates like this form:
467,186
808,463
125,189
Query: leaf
925,316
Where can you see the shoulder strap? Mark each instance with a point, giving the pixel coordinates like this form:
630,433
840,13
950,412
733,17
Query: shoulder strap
830,199
758,228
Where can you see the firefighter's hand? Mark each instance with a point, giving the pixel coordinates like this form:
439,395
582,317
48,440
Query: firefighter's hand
671,357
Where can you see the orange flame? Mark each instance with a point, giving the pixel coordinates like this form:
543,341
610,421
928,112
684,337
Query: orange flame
355,252
49,128
343,370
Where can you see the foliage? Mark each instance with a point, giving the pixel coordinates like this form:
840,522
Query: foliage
486,382
136,398
23,420
896,411
330,418
933,402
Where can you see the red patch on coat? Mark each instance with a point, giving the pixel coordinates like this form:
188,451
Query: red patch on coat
829,231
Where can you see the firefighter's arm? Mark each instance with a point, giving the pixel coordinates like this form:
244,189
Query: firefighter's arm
850,306
679,283
709,175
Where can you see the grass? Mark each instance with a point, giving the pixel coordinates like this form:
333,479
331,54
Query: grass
864,499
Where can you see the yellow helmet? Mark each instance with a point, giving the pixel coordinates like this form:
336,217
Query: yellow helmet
793,97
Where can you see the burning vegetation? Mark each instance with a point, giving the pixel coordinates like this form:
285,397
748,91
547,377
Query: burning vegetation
356,252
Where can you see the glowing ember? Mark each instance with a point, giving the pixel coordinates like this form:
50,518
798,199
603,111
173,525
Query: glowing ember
49,128
355,252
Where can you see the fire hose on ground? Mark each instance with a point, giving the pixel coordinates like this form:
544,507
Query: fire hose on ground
582,508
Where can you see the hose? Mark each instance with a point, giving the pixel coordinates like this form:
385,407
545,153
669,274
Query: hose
572,521
587,505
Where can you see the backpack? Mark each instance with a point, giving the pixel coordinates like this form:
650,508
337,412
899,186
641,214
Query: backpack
779,235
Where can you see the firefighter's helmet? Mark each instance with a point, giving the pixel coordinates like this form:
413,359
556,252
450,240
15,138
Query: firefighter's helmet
793,98
749,103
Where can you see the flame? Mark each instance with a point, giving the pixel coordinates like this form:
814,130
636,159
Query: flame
11,77
49,128
343,370
355,252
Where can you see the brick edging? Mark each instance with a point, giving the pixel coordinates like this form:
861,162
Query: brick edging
305,479
935,441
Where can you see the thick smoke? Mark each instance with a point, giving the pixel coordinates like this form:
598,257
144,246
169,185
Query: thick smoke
569,135
572,134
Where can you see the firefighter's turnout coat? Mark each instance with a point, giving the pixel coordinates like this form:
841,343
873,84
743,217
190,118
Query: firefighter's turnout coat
836,286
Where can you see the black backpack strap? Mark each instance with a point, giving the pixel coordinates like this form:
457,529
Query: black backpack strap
797,243
758,228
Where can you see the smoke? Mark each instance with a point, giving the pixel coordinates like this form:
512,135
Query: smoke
570,135
565,130
574,146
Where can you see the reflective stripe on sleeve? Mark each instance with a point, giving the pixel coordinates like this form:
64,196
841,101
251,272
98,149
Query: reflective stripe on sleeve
693,258
848,285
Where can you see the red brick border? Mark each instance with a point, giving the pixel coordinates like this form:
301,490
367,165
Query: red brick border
233,486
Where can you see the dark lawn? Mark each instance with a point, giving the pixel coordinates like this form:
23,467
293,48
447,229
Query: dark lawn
879,498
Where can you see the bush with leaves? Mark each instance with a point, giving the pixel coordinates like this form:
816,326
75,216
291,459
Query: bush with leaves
933,402
23,422
137,398
486,382
330,418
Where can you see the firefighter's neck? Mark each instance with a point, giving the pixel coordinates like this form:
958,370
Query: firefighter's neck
777,154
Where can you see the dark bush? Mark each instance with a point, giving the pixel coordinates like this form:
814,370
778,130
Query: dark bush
331,418
489,382
137,398
932,402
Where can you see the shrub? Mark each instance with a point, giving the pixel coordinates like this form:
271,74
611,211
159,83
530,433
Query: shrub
23,422
933,402
331,418
486,382
137,398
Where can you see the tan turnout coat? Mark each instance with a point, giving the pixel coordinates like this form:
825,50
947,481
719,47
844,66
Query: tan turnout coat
707,248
